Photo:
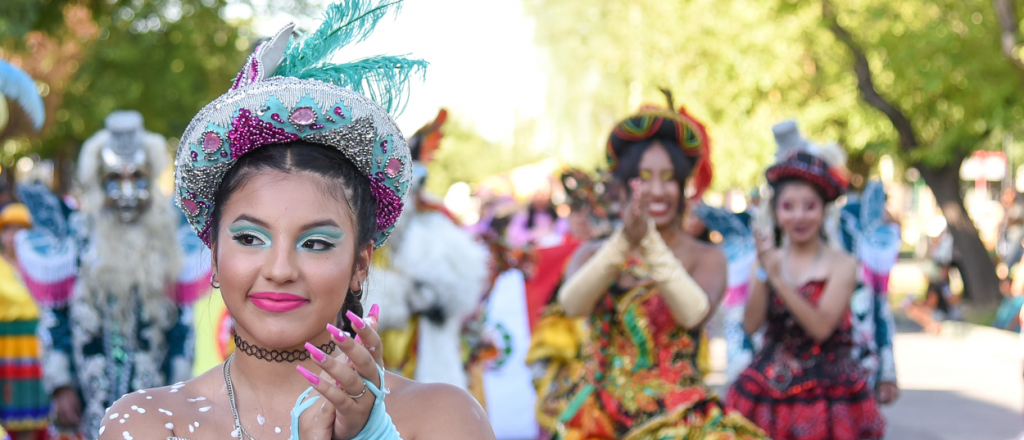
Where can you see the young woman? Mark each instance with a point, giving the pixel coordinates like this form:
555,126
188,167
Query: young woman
293,181
804,384
645,292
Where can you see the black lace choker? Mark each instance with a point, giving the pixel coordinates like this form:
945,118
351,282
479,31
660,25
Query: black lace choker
278,355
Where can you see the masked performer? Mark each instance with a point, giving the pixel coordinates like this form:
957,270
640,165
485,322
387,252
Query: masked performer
293,180
645,309
124,326
804,383
428,304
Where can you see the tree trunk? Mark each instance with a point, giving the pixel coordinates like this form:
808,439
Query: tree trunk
976,267
981,285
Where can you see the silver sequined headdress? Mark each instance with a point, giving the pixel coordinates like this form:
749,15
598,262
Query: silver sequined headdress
289,90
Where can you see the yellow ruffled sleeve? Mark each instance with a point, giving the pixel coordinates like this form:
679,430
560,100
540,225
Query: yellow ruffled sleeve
16,303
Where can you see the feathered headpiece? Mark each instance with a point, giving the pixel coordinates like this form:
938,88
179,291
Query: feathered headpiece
17,86
290,90
653,122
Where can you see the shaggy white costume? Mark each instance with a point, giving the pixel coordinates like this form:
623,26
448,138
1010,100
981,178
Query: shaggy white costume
123,326
435,280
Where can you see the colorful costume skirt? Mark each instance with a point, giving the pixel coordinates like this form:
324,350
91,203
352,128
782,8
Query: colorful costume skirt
693,415
828,401
24,404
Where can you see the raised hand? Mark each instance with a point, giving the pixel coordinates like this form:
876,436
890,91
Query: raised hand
768,256
346,400
635,219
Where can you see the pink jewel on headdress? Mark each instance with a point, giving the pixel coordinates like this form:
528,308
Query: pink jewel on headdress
302,116
277,118
249,132
389,205
195,156
211,142
384,146
394,167
190,206
337,111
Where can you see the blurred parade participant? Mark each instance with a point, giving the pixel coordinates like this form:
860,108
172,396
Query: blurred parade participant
804,383
930,311
539,224
589,210
555,339
639,377
293,180
124,325
25,405
870,235
428,304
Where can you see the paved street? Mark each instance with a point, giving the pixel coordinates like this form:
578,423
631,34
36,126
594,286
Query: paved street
963,385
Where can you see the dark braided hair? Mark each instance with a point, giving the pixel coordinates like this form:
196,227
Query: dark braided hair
343,181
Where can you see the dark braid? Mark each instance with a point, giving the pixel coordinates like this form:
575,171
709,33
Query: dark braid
344,182
353,302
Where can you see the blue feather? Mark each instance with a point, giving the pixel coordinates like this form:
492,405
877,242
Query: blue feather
384,79
16,85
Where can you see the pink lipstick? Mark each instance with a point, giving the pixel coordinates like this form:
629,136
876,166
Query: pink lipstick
277,302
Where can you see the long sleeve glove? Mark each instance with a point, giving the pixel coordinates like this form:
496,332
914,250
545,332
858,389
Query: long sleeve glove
685,298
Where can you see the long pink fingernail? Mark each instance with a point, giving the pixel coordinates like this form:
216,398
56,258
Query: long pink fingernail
356,321
338,335
312,378
375,312
318,355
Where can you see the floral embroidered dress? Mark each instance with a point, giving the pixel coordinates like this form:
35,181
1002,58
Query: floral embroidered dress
639,378
797,389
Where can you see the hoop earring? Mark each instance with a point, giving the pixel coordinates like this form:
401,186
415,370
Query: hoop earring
213,282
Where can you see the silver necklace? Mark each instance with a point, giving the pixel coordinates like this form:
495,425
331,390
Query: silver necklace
231,399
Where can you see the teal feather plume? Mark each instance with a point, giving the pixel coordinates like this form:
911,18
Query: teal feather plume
384,79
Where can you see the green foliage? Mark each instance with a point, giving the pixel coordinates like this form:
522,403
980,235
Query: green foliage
164,58
165,69
742,65
940,63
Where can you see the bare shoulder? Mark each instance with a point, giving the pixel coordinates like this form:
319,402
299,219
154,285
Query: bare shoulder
426,411
134,415
158,413
842,262
709,255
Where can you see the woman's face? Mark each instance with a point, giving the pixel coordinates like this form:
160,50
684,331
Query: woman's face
285,257
800,212
658,175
